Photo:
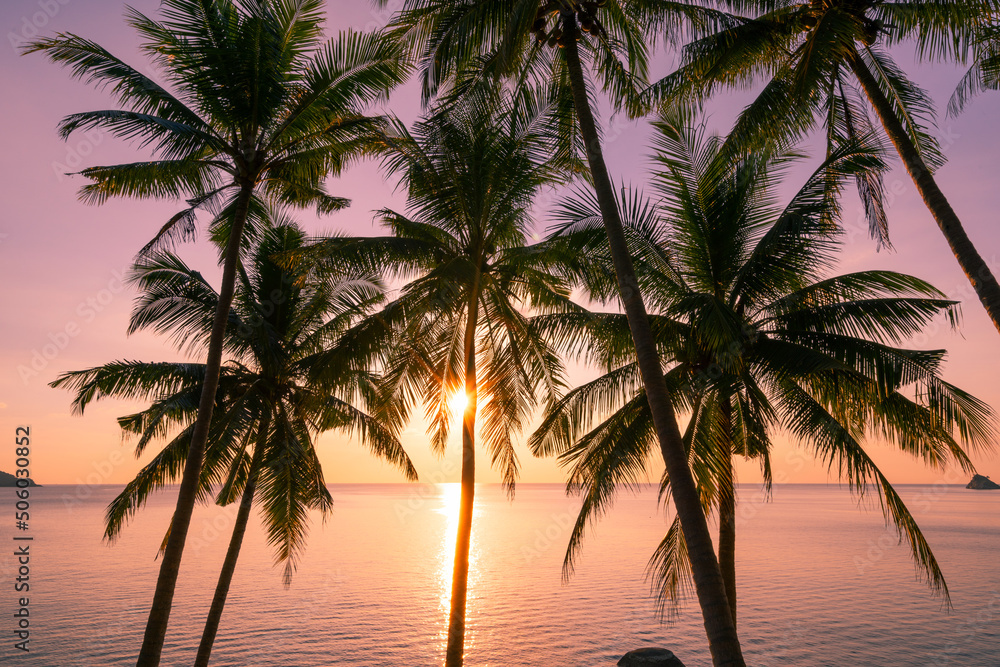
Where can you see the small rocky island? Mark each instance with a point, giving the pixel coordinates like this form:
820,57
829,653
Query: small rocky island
650,657
6,479
982,483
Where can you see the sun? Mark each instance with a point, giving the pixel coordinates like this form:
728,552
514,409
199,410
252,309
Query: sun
458,402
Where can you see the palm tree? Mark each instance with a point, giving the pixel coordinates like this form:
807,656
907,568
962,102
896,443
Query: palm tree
760,339
821,61
256,106
984,74
515,40
285,329
472,171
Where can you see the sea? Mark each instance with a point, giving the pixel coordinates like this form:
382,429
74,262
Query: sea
821,579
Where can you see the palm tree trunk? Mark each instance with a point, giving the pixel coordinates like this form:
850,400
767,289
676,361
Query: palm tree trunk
235,543
722,639
163,597
976,269
455,653
727,509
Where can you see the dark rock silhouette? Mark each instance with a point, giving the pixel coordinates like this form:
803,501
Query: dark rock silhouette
6,479
982,483
650,657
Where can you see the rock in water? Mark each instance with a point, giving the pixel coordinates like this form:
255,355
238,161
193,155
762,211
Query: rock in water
6,479
980,482
650,657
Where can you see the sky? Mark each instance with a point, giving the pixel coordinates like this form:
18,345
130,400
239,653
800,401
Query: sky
65,306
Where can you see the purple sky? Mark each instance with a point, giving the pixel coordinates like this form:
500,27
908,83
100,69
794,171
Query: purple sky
64,307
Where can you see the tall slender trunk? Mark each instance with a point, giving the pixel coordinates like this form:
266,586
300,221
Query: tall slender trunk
235,543
727,508
455,653
976,269
722,639
163,597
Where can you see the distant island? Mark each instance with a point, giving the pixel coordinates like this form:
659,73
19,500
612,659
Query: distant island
6,479
982,483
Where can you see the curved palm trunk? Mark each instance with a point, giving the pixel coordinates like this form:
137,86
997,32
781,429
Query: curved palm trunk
233,553
723,641
976,269
727,510
163,597
454,655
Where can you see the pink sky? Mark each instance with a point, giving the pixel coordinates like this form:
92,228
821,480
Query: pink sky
66,309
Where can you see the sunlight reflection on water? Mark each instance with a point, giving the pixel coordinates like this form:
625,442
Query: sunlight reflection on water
451,497
822,583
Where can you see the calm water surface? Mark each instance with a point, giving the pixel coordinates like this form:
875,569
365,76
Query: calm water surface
822,582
